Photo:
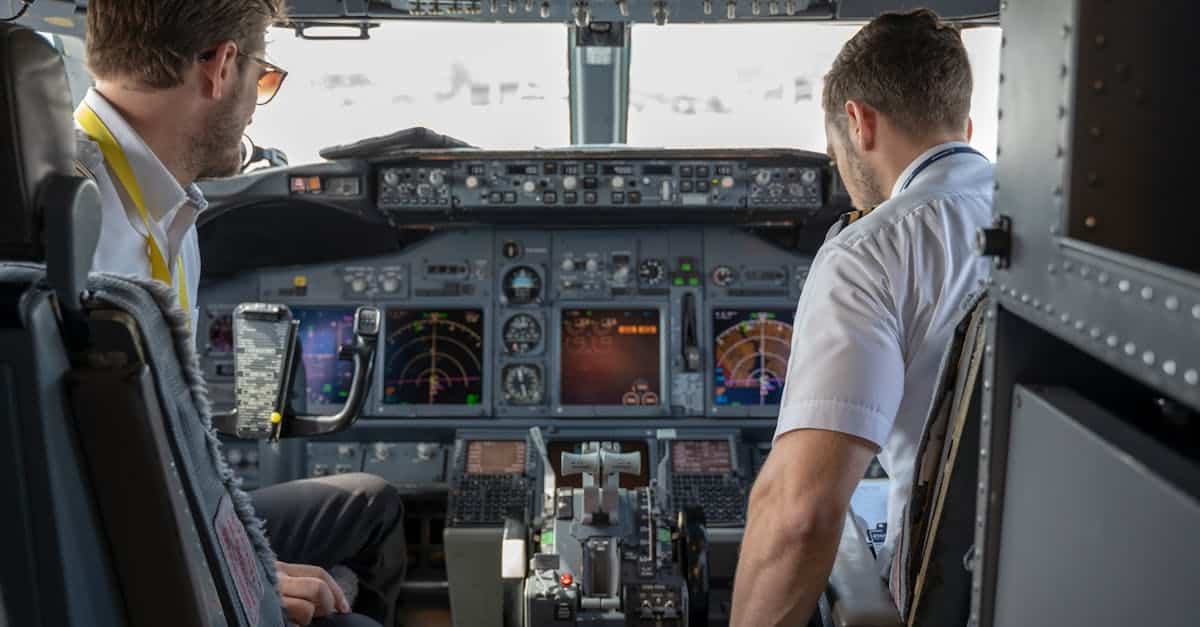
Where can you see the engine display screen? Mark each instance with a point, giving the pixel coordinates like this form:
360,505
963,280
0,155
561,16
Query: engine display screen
750,354
495,457
611,357
701,457
323,331
433,357
556,448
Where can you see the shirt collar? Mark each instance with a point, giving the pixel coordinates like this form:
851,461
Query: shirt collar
916,163
162,192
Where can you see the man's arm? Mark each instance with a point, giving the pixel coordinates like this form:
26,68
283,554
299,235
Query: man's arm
797,511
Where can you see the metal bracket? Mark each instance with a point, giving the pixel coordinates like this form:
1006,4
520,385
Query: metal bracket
996,242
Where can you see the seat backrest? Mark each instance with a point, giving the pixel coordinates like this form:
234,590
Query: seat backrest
126,513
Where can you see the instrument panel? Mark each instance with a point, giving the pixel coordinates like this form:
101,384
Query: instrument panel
490,322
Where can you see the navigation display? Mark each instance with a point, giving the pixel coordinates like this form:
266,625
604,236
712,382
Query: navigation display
323,331
750,353
433,357
701,457
611,357
493,457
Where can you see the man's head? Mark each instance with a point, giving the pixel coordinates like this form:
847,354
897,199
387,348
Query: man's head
197,62
901,85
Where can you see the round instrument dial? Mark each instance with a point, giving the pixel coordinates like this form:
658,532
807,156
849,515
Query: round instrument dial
523,385
522,333
723,276
522,285
651,272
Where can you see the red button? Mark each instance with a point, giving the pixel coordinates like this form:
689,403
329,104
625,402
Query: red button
566,580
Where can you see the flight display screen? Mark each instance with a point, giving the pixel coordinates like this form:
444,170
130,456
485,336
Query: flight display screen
629,482
496,457
433,357
701,457
611,357
750,355
323,331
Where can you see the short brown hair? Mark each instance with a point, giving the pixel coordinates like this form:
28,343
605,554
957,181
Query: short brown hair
911,66
153,42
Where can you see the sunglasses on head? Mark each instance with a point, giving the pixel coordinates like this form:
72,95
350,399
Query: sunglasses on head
269,81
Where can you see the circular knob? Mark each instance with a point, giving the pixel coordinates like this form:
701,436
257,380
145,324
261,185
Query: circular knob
727,182
568,265
425,451
592,265
382,451
618,182
809,176
529,187
437,177
391,177
390,284
621,275
359,284
569,183
762,177
472,182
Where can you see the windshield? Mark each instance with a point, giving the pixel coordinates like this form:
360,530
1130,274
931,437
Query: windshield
761,86
491,85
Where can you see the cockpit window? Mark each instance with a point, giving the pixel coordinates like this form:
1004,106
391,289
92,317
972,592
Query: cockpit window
759,85
491,85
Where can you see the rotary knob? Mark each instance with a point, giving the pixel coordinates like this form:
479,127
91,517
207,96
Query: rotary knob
592,265
390,284
381,451
425,451
437,177
359,284
762,177
568,265
529,187
391,177
621,275
472,182
809,176
618,182
569,183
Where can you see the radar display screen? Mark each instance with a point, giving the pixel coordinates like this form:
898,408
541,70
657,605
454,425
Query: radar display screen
433,357
611,357
323,332
701,457
496,457
750,352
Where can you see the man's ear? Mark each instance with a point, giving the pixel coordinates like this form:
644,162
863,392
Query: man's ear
216,68
863,125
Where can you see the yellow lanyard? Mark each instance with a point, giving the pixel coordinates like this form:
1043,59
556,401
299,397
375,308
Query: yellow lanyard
119,165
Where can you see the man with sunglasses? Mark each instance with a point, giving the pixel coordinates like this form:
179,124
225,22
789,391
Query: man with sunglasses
177,82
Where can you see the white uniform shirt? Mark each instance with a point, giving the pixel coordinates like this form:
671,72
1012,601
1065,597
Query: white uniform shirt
172,208
878,312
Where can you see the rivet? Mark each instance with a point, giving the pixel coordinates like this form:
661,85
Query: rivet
1013,292
1171,303
1112,341
1131,349
1080,325
1066,31
1054,229
1196,312
1095,132
1169,367
1093,179
1148,358
1059,152
1085,271
1192,377
1100,41
1049,308
1037,304
991,315
1147,293
1123,285
1066,318
1003,287
983,453
1057,191
987,385
1002,78
1090,221
989,349
1067,265
1095,333
1025,298
1098,86
1003,7
1103,278
1062,111
1062,73
1051,268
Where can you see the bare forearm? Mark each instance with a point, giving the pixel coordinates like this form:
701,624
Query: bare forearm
780,577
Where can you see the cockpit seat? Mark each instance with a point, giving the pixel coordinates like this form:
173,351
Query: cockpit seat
122,510
929,581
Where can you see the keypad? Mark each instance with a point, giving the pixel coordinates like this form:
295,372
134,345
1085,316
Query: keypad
487,499
720,496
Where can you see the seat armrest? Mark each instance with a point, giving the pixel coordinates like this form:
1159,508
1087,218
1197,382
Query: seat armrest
858,595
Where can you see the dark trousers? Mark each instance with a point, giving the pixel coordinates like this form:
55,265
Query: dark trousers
353,520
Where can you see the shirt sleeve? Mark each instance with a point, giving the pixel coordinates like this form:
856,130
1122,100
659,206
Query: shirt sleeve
846,371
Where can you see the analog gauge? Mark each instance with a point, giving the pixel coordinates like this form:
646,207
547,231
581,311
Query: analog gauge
523,385
522,333
651,272
723,276
522,285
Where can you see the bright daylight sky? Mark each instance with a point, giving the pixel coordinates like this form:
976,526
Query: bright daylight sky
505,86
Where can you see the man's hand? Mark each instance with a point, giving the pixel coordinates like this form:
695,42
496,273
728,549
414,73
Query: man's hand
308,592
797,509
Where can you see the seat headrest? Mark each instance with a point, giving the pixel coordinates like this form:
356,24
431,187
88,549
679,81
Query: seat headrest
37,137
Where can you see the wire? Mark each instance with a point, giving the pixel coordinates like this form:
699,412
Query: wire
25,4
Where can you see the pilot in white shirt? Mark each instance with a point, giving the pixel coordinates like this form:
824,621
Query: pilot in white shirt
879,310
172,209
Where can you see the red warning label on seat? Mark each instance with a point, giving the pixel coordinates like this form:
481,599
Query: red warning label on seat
241,558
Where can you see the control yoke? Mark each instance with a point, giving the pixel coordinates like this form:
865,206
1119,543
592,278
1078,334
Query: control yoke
266,358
